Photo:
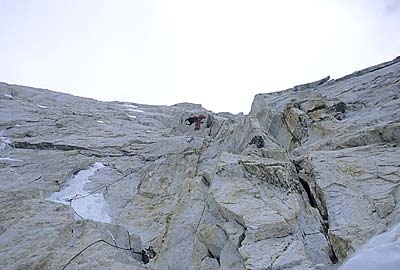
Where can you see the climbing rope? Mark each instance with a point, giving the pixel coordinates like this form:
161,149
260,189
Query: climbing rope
104,241
145,258
78,196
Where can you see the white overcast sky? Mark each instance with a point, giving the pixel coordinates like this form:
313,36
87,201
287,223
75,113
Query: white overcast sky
218,53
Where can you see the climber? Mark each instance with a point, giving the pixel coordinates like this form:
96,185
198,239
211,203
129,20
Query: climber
195,119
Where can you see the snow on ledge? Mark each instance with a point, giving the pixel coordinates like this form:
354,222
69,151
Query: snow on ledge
5,140
380,252
9,159
136,110
91,206
130,105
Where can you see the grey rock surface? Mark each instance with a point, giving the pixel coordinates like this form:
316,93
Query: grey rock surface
301,182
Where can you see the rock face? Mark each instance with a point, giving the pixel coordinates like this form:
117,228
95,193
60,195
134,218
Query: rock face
303,181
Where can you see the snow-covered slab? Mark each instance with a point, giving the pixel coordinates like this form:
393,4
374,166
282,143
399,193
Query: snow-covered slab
42,106
89,206
8,96
381,252
132,116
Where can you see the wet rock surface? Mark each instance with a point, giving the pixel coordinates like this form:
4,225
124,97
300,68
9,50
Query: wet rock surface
302,182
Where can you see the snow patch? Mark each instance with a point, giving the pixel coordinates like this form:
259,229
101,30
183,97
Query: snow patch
380,252
89,206
136,110
42,106
8,96
130,105
99,121
3,146
5,140
131,116
9,159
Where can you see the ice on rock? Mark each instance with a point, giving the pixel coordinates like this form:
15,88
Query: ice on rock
87,205
301,182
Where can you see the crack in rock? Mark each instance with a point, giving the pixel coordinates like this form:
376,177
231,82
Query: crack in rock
46,146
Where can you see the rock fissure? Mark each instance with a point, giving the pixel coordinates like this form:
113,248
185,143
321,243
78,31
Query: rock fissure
45,146
305,179
307,189
279,254
294,137
201,216
211,255
242,238
316,200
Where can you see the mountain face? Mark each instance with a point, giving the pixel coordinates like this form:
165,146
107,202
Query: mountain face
302,182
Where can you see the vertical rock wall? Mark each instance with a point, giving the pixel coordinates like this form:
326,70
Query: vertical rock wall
300,183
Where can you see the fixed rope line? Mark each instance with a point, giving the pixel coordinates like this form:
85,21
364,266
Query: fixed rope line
77,196
100,241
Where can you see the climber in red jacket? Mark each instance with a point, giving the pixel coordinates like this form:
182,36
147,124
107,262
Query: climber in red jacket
196,120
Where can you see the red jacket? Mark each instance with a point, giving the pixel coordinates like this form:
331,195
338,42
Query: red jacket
198,122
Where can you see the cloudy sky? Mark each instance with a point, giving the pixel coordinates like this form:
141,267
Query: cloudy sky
219,53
